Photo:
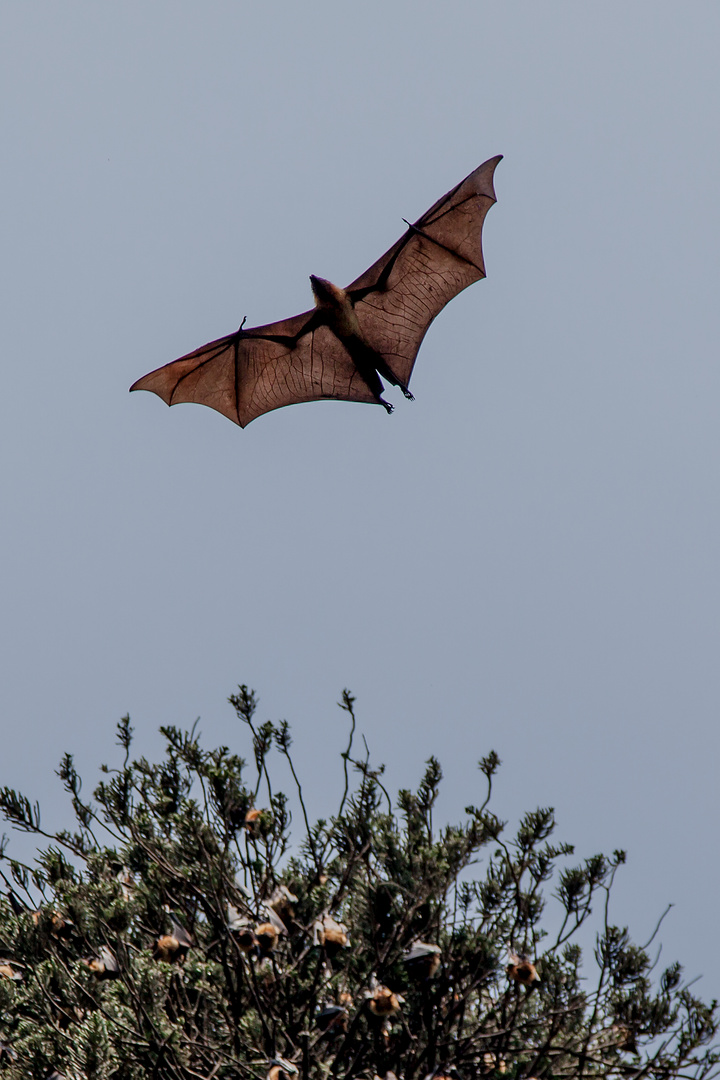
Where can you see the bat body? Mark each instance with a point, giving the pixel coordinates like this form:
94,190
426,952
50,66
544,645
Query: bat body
422,960
383,1002
354,337
521,970
280,1069
59,925
332,1020
330,934
7,971
173,946
267,937
104,965
242,930
283,903
335,308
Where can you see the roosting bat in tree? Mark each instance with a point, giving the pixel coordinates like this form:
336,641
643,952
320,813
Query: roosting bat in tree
354,336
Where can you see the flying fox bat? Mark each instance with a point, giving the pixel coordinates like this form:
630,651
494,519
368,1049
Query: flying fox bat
332,1020
354,337
382,1001
173,946
280,1069
422,960
104,965
521,970
8,971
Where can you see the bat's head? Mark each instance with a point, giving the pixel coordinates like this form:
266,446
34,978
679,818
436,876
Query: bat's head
325,293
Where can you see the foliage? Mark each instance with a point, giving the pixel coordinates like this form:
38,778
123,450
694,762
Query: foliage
135,946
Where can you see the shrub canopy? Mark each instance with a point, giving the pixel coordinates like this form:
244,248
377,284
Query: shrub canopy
179,932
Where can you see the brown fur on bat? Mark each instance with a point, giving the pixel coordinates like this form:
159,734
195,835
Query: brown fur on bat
354,337
267,935
331,934
383,1002
332,1021
283,903
60,925
422,960
242,930
173,947
253,822
104,965
280,1069
8,971
521,970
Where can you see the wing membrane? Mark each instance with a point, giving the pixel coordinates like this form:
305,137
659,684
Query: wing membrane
262,368
438,257
254,371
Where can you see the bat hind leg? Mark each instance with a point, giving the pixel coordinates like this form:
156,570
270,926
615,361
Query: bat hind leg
389,376
401,386
369,373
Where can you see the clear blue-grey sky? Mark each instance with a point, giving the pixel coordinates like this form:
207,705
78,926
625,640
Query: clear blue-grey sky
525,558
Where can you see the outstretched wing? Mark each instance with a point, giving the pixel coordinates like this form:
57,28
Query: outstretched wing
262,368
398,297
254,371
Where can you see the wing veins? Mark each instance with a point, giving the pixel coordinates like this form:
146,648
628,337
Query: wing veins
381,284
449,209
399,315
450,251
237,378
221,347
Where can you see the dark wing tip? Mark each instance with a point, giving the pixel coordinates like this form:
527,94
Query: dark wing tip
484,174
167,382
142,384
161,382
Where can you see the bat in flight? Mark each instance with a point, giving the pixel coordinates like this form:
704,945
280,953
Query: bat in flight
354,337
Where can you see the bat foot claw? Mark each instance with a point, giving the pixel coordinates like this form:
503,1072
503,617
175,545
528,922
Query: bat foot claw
387,406
408,395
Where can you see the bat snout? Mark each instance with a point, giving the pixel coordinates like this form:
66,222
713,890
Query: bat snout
324,291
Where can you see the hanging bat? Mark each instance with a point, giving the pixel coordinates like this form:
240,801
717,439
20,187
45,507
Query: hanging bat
60,925
521,970
354,337
8,970
242,930
283,903
280,1069
332,1021
331,934
173,946
381,1000
422,960
104,965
